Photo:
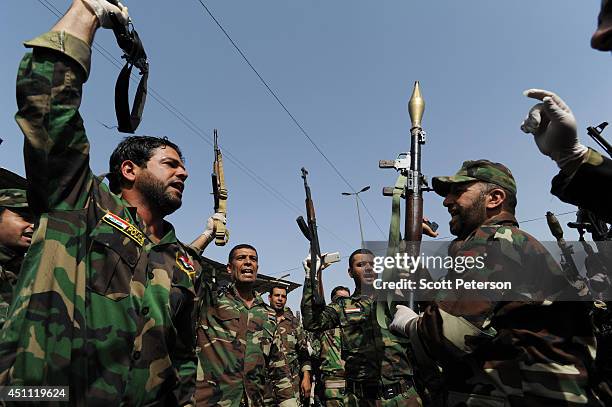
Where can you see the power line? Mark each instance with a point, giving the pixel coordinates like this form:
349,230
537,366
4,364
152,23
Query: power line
198,131
293,119
520,222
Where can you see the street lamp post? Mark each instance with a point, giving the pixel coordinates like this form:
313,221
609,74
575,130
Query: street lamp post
358,212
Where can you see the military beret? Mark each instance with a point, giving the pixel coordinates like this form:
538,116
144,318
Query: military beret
478,170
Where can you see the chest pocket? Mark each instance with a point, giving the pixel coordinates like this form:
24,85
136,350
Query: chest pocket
224,321
354,323
267,337
113,259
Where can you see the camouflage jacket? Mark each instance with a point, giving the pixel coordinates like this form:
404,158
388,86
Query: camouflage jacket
295,343
99,306
327,354
10,263
294,348
588,186
371,353
526,353
238,350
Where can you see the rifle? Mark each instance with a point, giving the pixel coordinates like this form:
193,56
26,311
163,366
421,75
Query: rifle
595,133
309,230
568,264
219,193
134,55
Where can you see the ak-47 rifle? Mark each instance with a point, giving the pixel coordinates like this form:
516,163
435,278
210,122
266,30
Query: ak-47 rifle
135,56
220,193
310,232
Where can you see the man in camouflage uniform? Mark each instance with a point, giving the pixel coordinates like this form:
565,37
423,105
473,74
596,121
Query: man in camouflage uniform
327,358
237,341
378,372
105,300
515,347
295,345
583,180
16,228
582,170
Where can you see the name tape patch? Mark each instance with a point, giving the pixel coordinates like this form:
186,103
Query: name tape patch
125,227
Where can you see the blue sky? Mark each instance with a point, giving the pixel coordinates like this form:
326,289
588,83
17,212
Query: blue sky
345,70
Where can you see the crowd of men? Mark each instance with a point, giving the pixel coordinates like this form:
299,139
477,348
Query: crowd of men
98,294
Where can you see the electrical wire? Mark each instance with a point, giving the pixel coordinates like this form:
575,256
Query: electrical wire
520,222
284,107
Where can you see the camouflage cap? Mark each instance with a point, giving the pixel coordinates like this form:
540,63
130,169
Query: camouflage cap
12,190
478,170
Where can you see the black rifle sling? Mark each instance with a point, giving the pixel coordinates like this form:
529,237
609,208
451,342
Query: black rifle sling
129,121
134,55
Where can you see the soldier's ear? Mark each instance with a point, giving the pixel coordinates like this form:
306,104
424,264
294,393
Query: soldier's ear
350,273
495,198
228,268
129,170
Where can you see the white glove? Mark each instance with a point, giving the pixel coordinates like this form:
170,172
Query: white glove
102,10
403,316
553,126
209,233
306,265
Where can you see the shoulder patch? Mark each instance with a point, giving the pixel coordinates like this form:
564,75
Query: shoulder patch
185,264
352,310
124,227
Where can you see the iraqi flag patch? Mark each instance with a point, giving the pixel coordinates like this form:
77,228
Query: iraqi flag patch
184,263
124,227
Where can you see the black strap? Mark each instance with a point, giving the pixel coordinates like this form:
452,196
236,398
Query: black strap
129,120
135,55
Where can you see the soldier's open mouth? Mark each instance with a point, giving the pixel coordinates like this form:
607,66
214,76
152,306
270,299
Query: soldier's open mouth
180,186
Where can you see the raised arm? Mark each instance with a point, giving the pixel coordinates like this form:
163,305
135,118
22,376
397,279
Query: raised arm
49,91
